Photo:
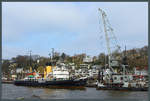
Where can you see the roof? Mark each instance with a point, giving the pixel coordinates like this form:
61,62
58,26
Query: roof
139,68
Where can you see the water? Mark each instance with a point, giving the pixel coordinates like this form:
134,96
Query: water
10,91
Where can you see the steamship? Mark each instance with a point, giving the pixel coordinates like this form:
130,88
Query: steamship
54,76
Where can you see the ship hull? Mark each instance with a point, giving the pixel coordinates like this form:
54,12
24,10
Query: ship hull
123,88
60,83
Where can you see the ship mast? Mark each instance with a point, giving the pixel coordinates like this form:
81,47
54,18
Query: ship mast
30,57
31,68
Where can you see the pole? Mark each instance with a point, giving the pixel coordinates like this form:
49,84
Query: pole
30,58
52,53
30,62
52,63
49,56
105,61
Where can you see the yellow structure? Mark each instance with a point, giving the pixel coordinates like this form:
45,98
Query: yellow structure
30,69
115,70
54,67
47,70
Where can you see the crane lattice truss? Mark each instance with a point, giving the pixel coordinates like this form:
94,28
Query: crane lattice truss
111,40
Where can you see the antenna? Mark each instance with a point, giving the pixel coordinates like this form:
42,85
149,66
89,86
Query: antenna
125,50
49,56
52,53
30,57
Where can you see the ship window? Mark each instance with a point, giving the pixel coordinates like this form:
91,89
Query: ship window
121,78
115,78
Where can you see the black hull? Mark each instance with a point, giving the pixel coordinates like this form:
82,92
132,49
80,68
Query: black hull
61,83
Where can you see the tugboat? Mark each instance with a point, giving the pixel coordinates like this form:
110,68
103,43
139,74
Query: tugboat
54,77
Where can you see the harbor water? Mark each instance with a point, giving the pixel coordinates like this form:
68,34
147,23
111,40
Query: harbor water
10,91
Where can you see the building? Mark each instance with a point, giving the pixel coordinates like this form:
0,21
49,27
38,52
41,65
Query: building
85,72
72,66
140,74
138,71
86,66
35,57
19,70
87,59
93,72
97,67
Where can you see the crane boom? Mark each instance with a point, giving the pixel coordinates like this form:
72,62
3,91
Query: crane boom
105,29
109,36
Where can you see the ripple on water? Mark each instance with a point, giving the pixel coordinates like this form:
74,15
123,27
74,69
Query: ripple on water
10,91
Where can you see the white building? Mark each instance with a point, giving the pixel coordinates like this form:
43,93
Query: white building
19,70
140,72
87,59
72,66
93,72
87,66
86,72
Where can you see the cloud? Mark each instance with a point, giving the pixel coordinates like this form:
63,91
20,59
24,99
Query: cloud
70,27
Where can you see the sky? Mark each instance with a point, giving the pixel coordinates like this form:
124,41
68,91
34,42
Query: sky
70,27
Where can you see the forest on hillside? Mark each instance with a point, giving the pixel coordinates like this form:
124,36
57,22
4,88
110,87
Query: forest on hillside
136,57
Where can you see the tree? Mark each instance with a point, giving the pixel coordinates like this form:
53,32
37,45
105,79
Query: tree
102,59
40,69
5,66
22,61
63,56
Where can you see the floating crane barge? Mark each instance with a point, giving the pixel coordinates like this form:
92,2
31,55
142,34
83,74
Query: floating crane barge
115,76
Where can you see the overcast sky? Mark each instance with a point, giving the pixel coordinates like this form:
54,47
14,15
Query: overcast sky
72,28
